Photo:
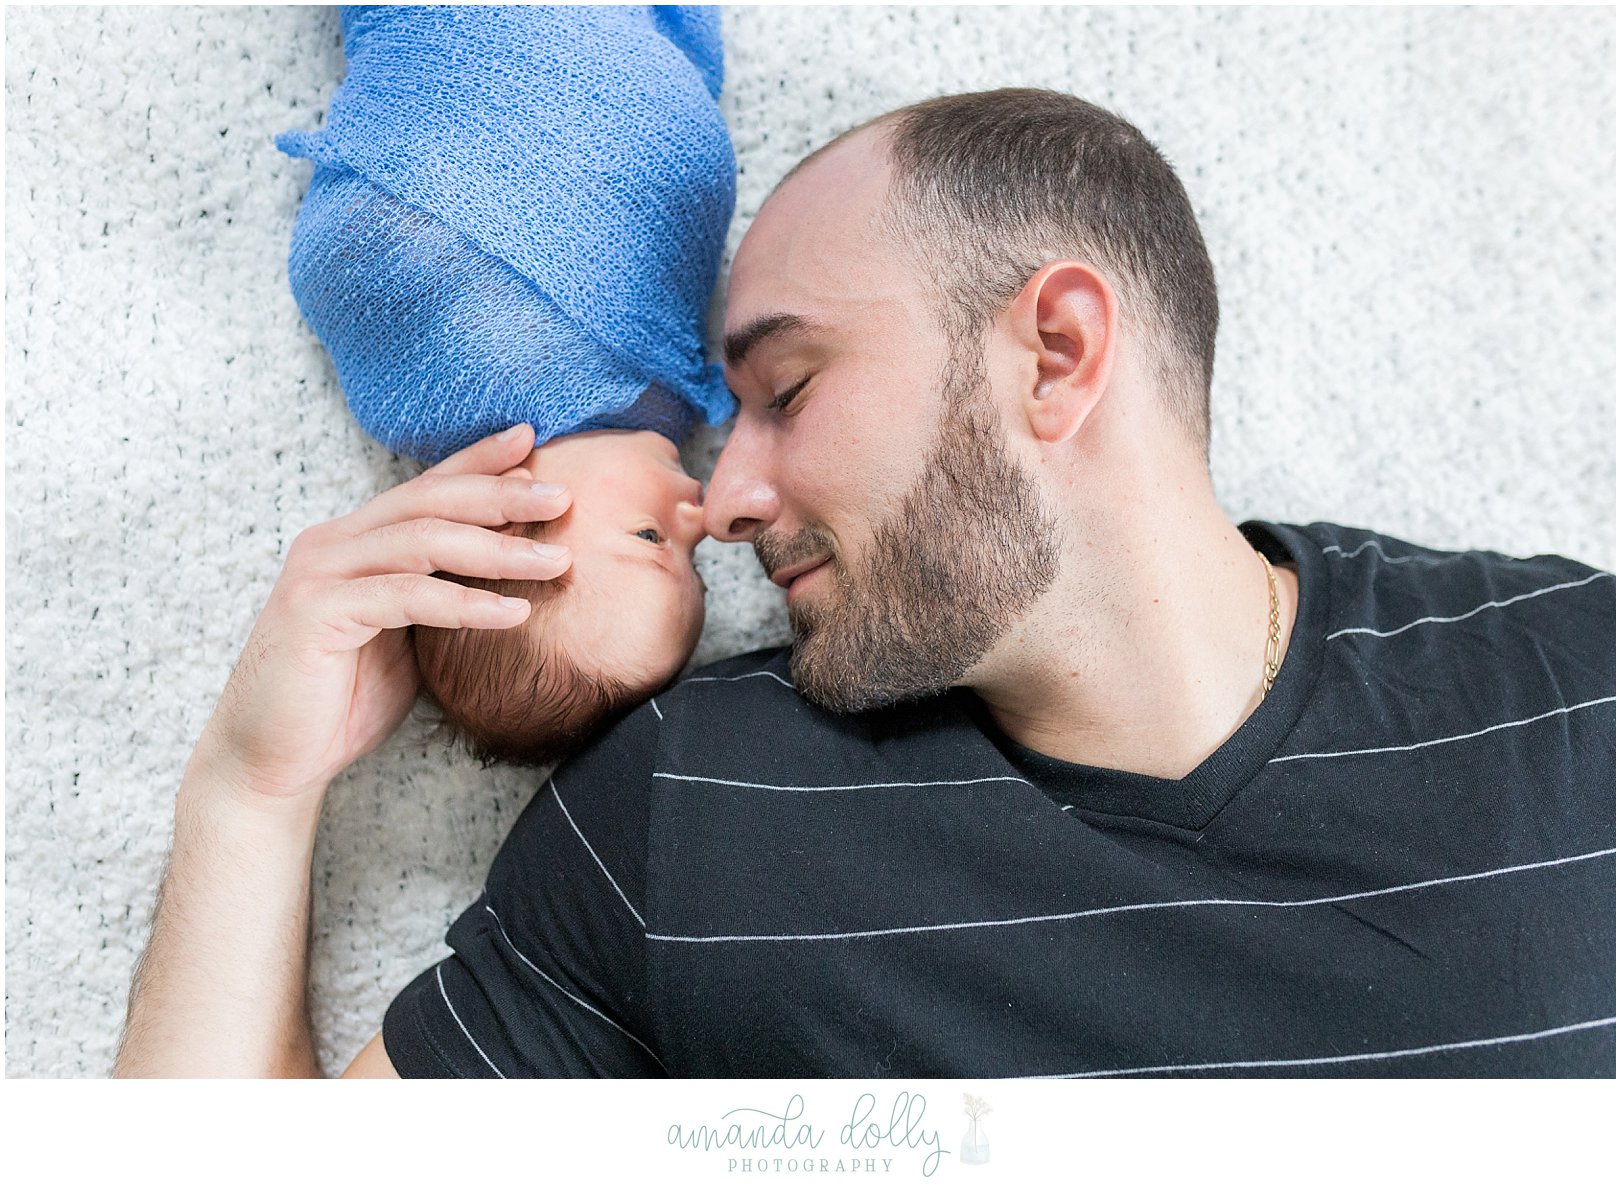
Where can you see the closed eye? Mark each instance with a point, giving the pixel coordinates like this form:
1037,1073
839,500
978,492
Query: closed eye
786,398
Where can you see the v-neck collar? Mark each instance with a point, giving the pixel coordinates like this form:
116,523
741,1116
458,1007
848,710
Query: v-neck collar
1192,801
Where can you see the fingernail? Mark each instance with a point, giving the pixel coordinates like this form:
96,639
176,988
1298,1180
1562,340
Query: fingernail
513,603
512,432
549,551
547,490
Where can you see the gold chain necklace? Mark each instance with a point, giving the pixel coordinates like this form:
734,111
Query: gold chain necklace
1274,642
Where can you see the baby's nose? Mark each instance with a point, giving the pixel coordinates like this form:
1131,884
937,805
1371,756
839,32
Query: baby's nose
689,516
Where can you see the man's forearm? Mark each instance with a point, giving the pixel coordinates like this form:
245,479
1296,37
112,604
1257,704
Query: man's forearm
220,990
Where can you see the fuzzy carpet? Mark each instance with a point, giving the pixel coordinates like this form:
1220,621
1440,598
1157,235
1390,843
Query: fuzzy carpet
1411,214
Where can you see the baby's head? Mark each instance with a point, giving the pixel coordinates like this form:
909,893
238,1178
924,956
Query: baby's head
612,631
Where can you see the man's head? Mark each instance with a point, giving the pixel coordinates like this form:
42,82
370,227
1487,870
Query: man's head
922,326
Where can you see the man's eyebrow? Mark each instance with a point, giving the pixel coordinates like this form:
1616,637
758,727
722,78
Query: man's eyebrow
762,329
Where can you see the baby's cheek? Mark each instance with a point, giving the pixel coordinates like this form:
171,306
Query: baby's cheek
696,608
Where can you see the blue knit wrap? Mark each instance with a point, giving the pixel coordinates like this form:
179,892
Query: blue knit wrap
517,214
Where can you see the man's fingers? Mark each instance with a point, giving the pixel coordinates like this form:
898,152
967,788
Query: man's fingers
467,498
429,546
492,455
353,612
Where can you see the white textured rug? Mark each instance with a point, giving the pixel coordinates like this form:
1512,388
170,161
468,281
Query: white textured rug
1411,214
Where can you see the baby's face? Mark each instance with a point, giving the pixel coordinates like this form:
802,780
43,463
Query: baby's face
635,519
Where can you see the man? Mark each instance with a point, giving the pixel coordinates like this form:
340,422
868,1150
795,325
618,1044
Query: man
1065,774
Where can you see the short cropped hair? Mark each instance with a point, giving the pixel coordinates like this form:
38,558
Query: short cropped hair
514,695
989,187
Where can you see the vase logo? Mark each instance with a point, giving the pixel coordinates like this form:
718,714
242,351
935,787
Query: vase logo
976,1146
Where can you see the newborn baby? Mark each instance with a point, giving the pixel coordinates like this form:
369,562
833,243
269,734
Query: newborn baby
614,629
517,215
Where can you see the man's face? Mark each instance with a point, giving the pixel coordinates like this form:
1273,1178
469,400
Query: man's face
882,494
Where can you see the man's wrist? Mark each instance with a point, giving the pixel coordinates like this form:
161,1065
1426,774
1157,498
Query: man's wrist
220,990
215,776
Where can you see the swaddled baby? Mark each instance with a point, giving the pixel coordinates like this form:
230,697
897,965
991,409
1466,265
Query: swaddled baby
517,215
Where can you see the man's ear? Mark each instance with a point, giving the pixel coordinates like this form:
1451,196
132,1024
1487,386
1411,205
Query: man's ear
1065,324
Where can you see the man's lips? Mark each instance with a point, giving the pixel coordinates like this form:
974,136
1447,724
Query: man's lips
785,576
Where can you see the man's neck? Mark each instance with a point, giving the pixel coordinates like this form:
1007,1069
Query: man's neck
1149,652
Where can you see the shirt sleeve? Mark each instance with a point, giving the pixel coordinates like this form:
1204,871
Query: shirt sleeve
549,966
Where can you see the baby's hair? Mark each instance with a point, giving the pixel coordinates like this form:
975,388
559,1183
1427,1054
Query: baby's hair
510,695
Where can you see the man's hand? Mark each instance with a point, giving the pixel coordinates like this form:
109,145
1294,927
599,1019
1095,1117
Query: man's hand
326,676
328,673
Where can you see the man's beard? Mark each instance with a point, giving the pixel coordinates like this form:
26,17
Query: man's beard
964,557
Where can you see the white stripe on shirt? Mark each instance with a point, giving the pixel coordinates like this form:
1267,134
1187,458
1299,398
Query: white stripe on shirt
439,975
695,779
1374,545
1143,907
562,990
1493,1041
1466,614
1564,709
593,853
744,677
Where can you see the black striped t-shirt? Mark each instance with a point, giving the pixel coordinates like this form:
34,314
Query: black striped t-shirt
1401,864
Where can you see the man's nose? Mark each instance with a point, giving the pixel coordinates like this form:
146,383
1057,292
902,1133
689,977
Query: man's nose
740,500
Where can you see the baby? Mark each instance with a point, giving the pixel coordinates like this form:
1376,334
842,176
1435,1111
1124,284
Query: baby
615,628
517,215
